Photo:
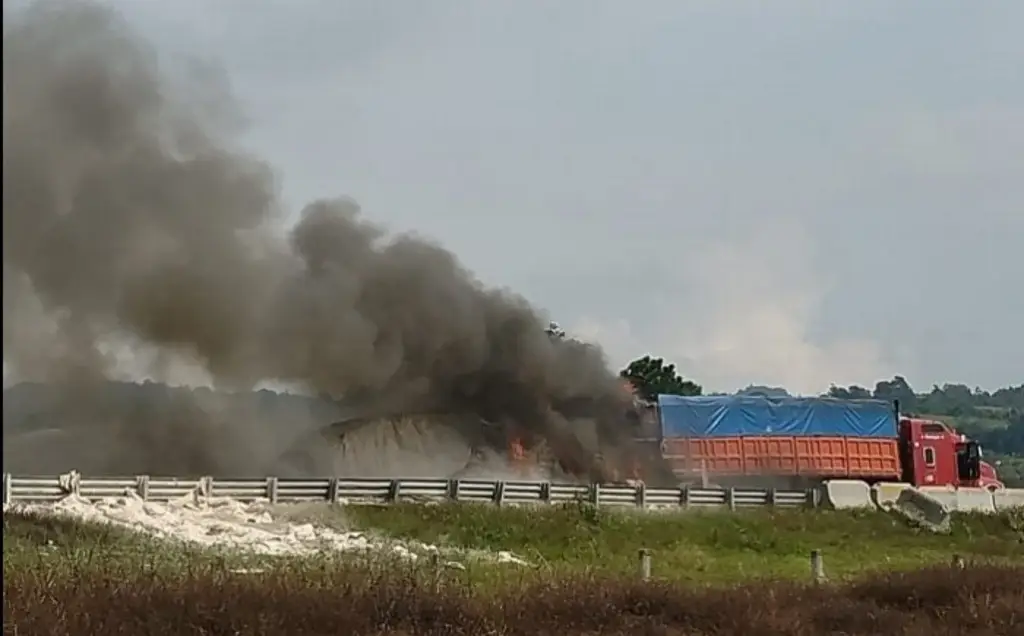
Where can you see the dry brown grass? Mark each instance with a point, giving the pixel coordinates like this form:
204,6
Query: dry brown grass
65,577
96,600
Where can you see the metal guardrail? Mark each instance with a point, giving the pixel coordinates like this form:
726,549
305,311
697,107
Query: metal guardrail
47,488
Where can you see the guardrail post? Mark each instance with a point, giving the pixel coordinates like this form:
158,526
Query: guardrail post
395,490
332,490
142,486
730,498
499,492
817,566
206,483
813,496
545,492
272,489
684,496
595,494
453,489
641,495
70,483
8,490
772,497
645,564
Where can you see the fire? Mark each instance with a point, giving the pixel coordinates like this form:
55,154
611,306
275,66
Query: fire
516,451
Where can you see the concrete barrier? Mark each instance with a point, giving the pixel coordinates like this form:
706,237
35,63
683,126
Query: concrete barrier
922,508
846,494
885,494
1008,499
975,500
946,495
963,499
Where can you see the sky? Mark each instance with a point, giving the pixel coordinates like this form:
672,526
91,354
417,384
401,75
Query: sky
791,193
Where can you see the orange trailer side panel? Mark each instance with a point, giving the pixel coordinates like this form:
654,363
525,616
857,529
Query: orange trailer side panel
873,457
773,455
721,455
822,456
836,457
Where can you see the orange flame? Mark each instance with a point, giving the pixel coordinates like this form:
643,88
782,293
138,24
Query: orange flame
516,450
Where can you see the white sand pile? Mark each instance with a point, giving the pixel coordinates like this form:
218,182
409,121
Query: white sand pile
225,523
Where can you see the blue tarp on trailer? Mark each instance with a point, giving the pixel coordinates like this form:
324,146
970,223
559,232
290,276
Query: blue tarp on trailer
733,416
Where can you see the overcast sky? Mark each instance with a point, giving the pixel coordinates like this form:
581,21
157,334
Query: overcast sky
788,193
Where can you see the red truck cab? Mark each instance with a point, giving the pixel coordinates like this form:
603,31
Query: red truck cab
933,454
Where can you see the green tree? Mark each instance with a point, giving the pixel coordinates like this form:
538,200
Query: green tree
652,377
852,392
761,390
897,389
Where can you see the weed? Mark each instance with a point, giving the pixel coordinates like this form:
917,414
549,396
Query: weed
68,578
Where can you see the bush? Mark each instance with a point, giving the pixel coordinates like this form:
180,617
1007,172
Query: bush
360,601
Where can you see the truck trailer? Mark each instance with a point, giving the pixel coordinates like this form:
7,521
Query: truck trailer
795,442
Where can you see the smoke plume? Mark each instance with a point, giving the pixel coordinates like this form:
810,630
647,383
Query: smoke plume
131,215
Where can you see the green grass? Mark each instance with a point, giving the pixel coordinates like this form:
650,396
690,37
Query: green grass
65,546
700,546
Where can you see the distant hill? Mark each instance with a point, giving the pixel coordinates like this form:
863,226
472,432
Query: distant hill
131,428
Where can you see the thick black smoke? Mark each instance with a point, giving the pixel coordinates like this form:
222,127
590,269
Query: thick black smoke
129,215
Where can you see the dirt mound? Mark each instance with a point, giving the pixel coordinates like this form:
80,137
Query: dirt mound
416,446
433,446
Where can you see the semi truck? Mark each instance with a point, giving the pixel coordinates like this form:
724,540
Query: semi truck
795,442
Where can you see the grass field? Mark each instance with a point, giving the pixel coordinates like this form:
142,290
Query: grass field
710,547
714,573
